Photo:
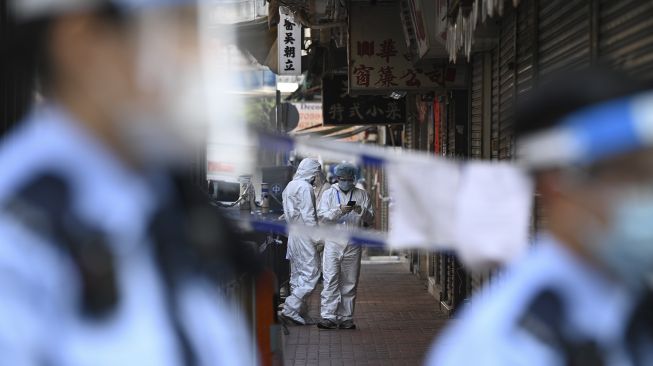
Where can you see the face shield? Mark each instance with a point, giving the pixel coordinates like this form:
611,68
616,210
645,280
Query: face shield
603,158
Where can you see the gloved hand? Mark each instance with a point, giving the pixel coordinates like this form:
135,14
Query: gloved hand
346,209
319,246
358,209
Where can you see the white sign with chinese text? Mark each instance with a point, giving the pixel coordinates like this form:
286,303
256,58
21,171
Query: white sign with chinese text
379,60
289,41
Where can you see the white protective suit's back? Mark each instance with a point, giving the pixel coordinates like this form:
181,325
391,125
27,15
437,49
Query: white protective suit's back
299,197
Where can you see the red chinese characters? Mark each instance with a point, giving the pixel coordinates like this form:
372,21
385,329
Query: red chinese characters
365,48
388,49
362,74
386,77
411,78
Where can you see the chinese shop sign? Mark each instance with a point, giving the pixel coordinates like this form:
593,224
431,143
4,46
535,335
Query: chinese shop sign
289,40
380,61
338,108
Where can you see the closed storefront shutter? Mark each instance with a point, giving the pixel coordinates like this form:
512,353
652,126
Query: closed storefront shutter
506,86
563,35
526,54
450,141
526,44
626,36
476,120
494,138
476,128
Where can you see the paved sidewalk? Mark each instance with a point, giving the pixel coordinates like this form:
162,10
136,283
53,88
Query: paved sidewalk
396,317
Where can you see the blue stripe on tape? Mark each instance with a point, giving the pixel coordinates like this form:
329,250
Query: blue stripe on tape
144,4
605,130
355,240
371,160
276,142
269,226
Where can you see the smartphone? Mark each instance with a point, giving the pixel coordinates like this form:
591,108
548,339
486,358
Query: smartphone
351,203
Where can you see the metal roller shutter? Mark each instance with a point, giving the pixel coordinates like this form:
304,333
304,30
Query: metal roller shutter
626,36
476,128
526,44
476,120
526,74
494,138
563,35
450,141
506,86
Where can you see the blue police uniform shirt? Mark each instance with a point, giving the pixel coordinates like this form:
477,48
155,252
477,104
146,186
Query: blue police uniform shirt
488,331
39,315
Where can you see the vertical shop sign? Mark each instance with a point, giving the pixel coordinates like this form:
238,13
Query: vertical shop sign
437,121
289,40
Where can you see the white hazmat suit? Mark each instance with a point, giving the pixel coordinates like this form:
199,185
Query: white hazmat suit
299,208
341,262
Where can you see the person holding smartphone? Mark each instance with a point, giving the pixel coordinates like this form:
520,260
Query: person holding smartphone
348,207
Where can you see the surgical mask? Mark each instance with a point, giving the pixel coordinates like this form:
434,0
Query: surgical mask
626,246
346,185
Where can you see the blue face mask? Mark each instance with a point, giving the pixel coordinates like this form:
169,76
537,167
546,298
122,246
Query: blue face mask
626,247
346,185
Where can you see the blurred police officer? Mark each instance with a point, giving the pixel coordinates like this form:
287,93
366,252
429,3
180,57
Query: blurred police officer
104,258
582,295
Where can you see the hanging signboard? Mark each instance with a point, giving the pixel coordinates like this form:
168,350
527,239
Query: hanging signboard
310,115
289,40
339,108
379,60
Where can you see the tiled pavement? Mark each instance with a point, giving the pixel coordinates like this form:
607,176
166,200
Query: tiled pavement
396,317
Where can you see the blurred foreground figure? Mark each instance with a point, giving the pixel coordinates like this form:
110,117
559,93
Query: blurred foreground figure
344,206
582,295
299,209
105,259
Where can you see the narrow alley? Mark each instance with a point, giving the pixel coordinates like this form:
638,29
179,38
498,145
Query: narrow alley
396,317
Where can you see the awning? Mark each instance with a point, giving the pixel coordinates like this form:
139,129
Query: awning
349,133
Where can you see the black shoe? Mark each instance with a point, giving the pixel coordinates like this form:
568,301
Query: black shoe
327,324
347,324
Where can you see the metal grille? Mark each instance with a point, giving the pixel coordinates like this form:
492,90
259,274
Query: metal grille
563,35
626,36
506,86
494,139
451,129
476,137
526,47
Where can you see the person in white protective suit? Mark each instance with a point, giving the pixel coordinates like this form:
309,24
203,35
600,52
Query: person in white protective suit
350,207
299,208
321,185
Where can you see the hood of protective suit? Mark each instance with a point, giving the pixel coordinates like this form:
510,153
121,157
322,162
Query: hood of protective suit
307,169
